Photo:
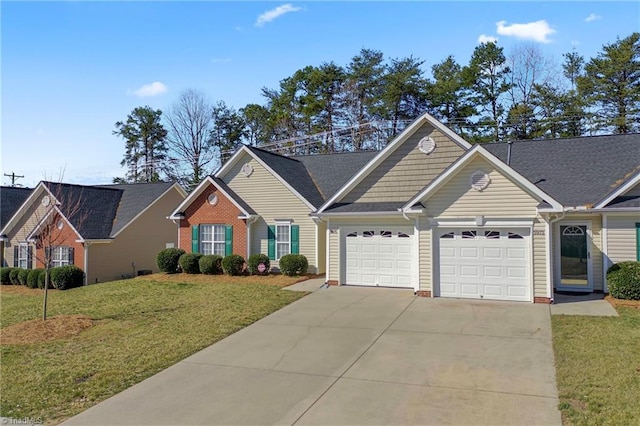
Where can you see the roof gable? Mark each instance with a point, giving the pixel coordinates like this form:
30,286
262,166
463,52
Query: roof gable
625,195
222,187
479,152
376,161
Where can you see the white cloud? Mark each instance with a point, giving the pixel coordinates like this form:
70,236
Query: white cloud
154,89
272,14
537,31
220,60
487,39
592,17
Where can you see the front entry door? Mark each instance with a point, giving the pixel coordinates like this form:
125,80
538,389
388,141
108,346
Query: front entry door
575,259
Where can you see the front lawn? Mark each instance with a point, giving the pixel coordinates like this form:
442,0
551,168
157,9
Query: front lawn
598,368
138,328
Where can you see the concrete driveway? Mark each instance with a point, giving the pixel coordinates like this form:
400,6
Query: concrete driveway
359,356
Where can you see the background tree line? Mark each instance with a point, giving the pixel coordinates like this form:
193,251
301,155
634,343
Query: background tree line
365,103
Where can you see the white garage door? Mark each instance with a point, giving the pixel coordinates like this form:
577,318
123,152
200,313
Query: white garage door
379,257
485,263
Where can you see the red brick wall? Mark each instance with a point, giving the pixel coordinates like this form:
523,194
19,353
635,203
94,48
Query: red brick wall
64,237
223,213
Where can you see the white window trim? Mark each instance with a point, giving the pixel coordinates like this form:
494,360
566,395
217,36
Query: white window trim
59,256
287,224
213,240
25,259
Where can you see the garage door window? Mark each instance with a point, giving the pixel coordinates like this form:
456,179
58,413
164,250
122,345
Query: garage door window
448,235
468,234
514,236
492,235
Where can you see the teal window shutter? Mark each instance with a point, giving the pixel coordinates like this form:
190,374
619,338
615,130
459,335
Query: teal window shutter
638,242
228,240
195,239
271,246
295,239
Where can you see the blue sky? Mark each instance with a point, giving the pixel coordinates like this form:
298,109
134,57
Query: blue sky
71,69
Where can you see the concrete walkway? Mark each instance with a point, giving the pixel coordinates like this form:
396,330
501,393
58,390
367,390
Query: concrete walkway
592,304
349,356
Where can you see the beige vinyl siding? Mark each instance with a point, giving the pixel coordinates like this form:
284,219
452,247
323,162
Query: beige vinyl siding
501,199
407,170
595,244
343,224
137,246
272,200
540,259
334,253
30,218
622,238
426,255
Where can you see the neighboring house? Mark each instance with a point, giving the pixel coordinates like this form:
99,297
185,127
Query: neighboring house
109,231
433,213
261,202
11,198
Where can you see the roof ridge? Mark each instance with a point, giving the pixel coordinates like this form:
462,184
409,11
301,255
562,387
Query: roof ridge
614,135
270,152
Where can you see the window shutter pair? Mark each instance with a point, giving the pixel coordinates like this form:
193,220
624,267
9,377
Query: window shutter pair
29,257
228,239
295,240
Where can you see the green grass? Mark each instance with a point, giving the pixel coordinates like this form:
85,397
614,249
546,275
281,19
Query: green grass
598,368
142,326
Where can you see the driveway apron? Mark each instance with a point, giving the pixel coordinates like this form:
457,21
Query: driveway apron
350,356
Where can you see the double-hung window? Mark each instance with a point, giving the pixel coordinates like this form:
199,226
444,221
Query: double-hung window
283,240
213,239
23,256
60,256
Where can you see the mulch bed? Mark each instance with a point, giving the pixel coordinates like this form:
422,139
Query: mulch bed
37,330
623,303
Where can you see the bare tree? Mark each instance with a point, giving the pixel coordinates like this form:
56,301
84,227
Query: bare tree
65,205
190,122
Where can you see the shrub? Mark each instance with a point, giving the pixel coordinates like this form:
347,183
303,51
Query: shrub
167,260
189,263
293,264
66,277
253,264
210,264
32,277
623,280
4,276
22,276
233,264
13,276
42,277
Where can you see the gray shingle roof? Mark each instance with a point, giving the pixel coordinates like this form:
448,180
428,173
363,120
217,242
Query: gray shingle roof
364,207
11,198
625,201
574,171
135,198
331,171
293,172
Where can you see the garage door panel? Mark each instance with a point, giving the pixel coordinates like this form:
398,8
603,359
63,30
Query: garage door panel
491,265
379,257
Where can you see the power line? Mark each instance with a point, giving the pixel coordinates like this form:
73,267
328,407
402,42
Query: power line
14,177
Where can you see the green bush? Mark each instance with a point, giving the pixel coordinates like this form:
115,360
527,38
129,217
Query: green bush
189,263
167,260
32,277
22,276
253,264
13,276
293,265
41,279
623,280
233,264
4,276
210,264
66,277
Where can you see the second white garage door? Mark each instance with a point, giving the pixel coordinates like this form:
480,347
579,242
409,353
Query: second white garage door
485,263
379,257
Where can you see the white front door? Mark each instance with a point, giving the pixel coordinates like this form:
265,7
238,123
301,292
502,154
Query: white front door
379,256
483,263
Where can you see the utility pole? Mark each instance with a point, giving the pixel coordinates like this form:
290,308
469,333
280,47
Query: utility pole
13,177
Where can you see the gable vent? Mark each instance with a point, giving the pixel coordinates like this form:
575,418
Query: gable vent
479,180
427,145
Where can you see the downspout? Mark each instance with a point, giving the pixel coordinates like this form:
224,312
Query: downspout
86,262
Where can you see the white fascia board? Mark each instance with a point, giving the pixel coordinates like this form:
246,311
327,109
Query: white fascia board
630,183
388,150
622,210
234,159
190,198
489,223
356,214
231,161
35,194
171,188
474,152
